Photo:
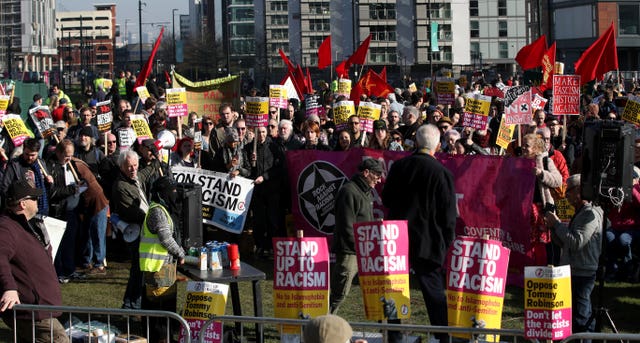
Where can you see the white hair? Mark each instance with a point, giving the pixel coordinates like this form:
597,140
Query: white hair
452,133
428,137
127,155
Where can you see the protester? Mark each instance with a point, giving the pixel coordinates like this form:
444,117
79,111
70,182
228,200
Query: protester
217,137
26,266
410,117
159,254
580,243
354,204
286,138
231,158
421,190
344,141
184,153
358,135
311,131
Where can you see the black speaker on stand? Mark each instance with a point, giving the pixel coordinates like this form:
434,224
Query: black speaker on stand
190,221
606,180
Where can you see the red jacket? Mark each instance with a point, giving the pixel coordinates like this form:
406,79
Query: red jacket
561,164
628,218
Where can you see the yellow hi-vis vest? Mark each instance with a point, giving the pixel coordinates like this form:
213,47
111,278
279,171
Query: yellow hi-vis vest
152,253
122,86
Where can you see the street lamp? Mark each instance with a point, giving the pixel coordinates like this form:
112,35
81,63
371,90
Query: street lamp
140,3
173,32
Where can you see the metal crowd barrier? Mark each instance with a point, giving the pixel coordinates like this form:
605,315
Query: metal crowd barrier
604,337
373,332
130,315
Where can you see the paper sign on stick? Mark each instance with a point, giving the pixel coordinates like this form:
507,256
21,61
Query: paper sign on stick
382,248
104,116
143,93
476,111
342,110
631,111
204,300
140,127
278,96
14,125
547,302
566,95
368,112
177,102
257,111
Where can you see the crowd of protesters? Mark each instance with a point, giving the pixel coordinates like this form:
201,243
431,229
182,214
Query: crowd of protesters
87,176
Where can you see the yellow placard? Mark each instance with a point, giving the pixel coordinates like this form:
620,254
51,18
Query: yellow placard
392,299
257,105
16,128
445,86
478,104
143,93
140,126
204,300
344,87
413,88
4,102
369,110
176,96
505,134
277,91
564,210
547,302
342,110
107,84
631,111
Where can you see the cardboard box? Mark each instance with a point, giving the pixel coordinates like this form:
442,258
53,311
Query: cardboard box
122,338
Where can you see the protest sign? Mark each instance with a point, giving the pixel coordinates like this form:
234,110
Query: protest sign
505,134
140,127
41,117
547,302
631,111
445,91
513,93
344,87
300,279
225,201
564,209
4,104
538,102
476,111
197,134
143,94
204,300
278,96
412,87
16,129
257,111
204,97
107,84
177,102
566,95
382,249
316,176
368,112
519,110
342,110
104,116
126,137
312,105
476,281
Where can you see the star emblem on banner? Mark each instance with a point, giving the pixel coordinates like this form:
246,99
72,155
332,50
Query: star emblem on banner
318,186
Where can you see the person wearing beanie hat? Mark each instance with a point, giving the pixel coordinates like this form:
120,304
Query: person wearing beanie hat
354,204
327,329
231,158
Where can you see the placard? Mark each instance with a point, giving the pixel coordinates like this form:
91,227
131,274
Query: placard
16,128
41,117
382,248
344,87
278,96
631,111
104,116
547,302
566,95
203,301
177,102
519,110
368,112
445,91
143,94
505,134
140,127
312,105
538,102
342,110
257,111
4,104
476,111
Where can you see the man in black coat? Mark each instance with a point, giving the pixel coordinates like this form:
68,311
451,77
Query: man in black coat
421,190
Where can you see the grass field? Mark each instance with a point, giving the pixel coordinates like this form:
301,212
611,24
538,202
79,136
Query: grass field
622,299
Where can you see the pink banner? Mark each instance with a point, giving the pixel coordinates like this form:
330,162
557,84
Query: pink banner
494,193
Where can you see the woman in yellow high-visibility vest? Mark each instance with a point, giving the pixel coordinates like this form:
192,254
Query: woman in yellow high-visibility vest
159,252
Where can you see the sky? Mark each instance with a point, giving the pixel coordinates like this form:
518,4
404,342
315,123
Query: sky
155,11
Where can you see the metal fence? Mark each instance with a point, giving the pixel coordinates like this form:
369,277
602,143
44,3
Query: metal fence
126,320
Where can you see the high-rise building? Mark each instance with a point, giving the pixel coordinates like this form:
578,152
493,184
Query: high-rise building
27,35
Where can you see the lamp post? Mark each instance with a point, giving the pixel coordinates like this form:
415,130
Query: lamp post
140,29
173,33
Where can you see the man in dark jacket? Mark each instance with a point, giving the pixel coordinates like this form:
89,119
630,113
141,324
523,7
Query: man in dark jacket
27,275
421,190
354,204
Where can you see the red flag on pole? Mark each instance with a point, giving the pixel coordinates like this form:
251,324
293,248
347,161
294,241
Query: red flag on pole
360,56
383,74
309,83
342,69
286,60
141,80
301,80
530,56
370,84
599,58
324,53
548,67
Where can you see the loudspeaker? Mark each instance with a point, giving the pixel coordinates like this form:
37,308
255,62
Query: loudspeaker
190,221
607,161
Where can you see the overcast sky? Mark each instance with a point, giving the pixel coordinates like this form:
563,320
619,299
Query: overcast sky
155,11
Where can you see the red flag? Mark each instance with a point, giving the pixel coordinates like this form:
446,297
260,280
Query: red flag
146,68
324,53
548,67
370,84
530,56
309,83
383,74
167,77
360,56
342,69
599,58
301,80
286,60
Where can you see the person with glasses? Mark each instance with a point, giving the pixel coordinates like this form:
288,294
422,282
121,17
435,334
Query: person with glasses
421,190
358,135
246,135
410,117
354,204
558,159
274,113
580,243
273,129
28,274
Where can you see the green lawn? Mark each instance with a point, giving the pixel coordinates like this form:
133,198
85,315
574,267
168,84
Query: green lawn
107,291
